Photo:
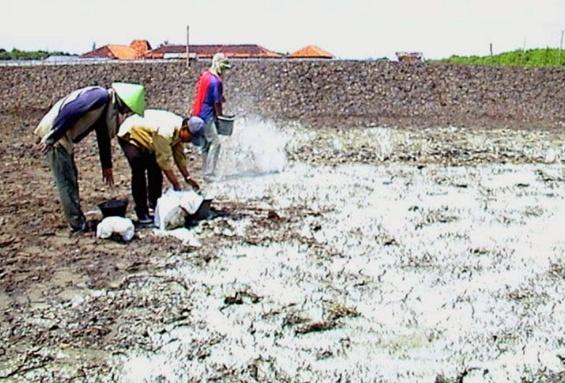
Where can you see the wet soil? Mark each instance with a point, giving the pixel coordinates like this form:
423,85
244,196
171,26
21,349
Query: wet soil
366,255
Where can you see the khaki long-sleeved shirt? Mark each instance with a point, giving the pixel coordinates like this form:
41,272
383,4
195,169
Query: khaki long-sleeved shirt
158,132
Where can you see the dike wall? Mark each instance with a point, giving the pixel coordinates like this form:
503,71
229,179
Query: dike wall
334,93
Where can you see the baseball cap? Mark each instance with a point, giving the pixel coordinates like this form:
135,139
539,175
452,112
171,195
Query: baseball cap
196,128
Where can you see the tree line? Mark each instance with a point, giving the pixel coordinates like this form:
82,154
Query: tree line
540,57
16,54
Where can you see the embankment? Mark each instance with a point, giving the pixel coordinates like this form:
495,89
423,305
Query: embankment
320,93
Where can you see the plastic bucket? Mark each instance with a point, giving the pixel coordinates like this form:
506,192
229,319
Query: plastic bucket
114,207
225,125
203,211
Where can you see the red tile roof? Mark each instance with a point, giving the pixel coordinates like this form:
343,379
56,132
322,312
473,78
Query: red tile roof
136,50
207,51
102,52
312,51
141,46
116,52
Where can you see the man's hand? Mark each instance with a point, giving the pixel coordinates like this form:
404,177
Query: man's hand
108,176
192,183
43,147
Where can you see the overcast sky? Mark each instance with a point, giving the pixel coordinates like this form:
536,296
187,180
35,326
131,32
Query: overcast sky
347,28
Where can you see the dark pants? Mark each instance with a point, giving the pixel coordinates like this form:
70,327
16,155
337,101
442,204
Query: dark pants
146,177
64,170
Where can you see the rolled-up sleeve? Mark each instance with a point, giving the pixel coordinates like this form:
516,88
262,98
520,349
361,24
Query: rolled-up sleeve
178,155
163,152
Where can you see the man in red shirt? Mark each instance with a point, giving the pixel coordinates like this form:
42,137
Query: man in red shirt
208,106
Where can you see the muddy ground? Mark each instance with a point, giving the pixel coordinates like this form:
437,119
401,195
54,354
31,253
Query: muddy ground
343,255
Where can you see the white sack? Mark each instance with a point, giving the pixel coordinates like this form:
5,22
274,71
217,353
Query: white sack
115,225
174,206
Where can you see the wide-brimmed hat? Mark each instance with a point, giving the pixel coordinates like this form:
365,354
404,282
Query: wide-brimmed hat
133,95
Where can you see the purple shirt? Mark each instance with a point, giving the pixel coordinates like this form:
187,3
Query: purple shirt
88,99
208,92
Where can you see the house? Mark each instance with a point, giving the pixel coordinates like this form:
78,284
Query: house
136,50
311,52
205,51
410,57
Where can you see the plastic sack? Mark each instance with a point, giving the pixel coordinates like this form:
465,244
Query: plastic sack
174,206
115,225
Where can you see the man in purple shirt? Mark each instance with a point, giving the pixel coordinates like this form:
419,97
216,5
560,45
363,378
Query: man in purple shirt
70,120
207,105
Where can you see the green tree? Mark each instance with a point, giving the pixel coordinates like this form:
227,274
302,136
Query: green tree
16,54
540,57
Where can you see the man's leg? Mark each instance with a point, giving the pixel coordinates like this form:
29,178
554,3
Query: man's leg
155,180
137,164
211,149
64,170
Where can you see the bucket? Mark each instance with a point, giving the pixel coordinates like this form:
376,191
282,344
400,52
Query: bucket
114,207
204,212
225,125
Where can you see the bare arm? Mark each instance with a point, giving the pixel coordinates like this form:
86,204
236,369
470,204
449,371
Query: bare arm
218,109
180,161
170,174
187,178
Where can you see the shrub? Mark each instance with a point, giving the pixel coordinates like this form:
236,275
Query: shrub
541,57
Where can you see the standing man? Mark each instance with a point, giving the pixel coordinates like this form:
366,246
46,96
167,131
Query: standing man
208,106
151,144
70,120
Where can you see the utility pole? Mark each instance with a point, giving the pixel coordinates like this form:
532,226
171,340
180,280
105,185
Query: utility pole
560,49
187,49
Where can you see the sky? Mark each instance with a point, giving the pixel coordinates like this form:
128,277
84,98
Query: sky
350,29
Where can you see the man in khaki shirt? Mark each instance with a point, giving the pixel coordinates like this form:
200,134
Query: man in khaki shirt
152,144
